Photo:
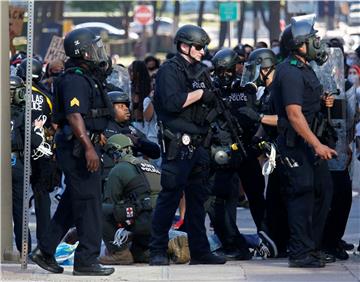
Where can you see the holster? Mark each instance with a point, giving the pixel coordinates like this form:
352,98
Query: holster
285,129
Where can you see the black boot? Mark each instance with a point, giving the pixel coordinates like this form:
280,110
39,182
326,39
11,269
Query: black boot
93,270
45,261
208,259
159,259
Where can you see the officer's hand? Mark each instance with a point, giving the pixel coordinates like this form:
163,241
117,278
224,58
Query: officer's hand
324,152
103,139
92,160
250,113
328,100
208,97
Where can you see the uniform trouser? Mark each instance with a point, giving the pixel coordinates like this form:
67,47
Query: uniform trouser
308,196
276,221
140,231
223,212
17,203
43,170
191,176
253,183
339,209
80,205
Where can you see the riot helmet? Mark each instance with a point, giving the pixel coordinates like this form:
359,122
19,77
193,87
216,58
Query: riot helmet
224,63
119,97
192,35
17,90
262,61
83,44
118,145
37,72
300,31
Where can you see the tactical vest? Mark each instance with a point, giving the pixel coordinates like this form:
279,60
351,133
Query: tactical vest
197,112
100,111
148,174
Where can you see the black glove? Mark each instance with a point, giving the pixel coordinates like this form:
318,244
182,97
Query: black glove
208,97
250,113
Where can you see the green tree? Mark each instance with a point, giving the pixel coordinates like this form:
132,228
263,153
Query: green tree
95,6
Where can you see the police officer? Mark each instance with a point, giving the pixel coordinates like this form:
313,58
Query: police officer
17,94
121,124
180,103
130,194
43,166
308,186
82,112
249,169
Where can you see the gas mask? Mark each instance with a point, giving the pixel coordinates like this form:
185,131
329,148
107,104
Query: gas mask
316,50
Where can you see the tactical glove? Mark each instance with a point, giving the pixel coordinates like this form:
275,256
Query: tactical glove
250,113
208,97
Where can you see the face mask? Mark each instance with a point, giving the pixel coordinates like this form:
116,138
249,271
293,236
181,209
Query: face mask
276,50
350,61
353,78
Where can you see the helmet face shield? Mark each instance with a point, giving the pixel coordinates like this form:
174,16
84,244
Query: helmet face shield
251,72
96,52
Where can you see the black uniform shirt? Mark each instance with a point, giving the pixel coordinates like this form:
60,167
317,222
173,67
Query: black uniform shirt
171,90
296,83
75,92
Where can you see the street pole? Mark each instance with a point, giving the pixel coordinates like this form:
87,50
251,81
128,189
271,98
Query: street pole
6,228
27,141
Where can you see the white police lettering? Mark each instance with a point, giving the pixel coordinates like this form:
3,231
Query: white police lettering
37,101
198,85
235,97
149,168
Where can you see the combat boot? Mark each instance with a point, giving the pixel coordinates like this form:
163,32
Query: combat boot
123,257
178,249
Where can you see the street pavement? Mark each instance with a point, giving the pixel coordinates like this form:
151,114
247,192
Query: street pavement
275,270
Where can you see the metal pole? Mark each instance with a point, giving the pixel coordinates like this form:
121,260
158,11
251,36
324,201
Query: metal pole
6,226
27,141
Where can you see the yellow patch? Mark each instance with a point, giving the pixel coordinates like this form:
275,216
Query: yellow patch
74,102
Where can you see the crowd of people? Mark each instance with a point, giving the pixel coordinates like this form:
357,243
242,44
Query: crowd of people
195,133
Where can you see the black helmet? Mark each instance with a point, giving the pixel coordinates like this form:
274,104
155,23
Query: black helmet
17,90
224,62
225,59
302,31
119,97
258,59
36,70
192,35
82,43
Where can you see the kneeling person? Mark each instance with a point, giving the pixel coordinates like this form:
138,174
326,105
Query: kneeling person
129,197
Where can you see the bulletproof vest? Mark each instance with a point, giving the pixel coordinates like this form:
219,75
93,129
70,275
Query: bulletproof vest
17,127
148,173
101,109
195,113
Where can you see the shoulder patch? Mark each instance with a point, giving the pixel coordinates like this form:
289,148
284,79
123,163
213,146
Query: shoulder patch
74,102
149,168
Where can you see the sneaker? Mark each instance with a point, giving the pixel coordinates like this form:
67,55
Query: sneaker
178,249
262,250
270,244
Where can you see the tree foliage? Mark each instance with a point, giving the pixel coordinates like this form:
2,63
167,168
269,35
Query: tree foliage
95,6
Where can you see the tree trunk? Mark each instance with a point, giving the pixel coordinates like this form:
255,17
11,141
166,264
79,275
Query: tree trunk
255,21
201,13
176,16
274,29
240,23
222,34
154,38
125,23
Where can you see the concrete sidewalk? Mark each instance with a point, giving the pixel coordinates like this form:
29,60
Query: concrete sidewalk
255,270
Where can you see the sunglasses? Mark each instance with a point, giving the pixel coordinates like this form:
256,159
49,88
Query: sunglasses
198,47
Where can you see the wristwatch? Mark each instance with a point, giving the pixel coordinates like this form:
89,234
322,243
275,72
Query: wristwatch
261,116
